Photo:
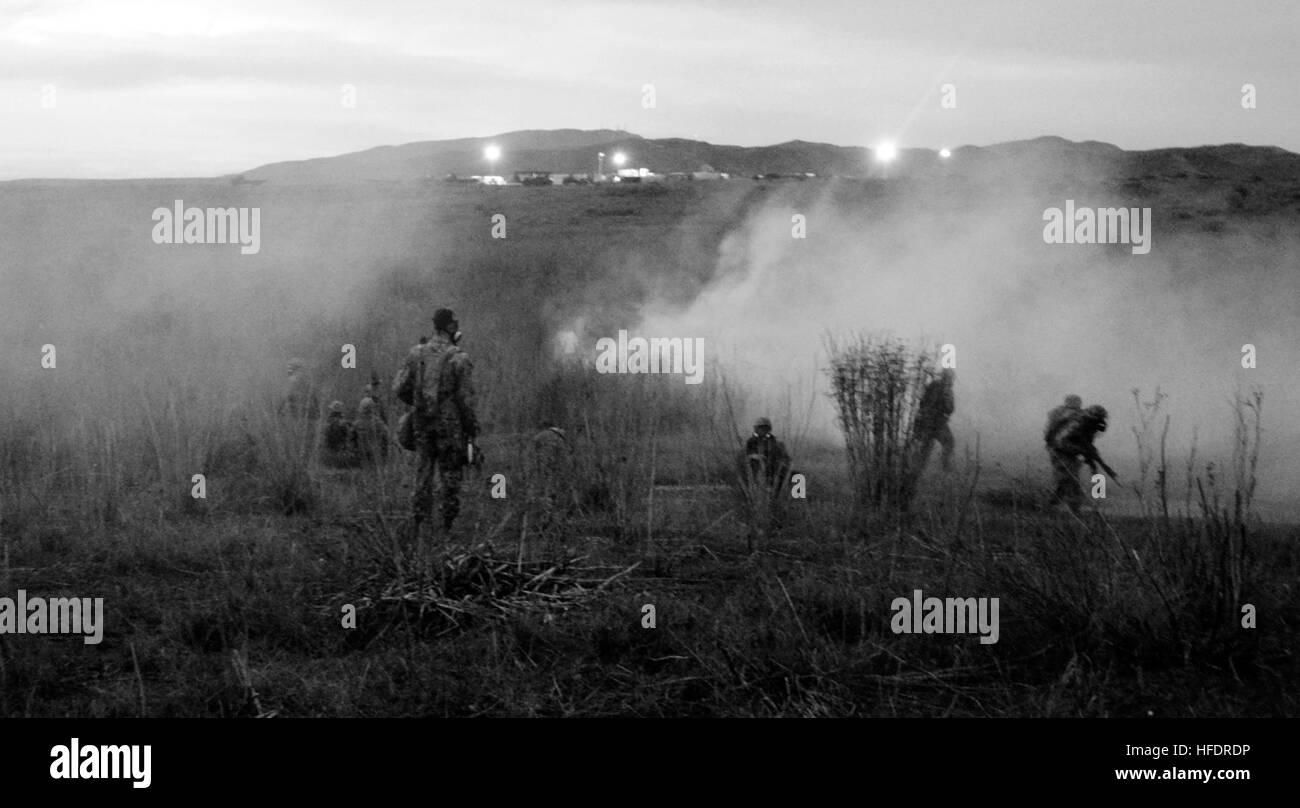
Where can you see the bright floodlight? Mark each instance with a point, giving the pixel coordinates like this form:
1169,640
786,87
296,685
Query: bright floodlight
619,158
886,152
492,152
944,153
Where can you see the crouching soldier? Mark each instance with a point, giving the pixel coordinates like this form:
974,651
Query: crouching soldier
372,433
1072,407
766,462
338,440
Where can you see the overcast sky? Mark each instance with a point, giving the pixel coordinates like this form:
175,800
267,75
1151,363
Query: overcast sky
146,88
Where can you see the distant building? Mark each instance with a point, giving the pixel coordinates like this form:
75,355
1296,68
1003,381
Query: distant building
709,175
533,177
641,174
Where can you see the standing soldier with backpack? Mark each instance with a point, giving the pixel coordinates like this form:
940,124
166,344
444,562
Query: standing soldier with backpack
436,381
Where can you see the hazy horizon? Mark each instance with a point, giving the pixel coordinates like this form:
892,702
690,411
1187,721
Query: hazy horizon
145,89
497,135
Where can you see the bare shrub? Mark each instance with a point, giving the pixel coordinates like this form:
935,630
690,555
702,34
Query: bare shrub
876,384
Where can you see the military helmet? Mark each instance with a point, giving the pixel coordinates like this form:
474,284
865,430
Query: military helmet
1074,401
336,407
764,421
1097,413
443,318
367,407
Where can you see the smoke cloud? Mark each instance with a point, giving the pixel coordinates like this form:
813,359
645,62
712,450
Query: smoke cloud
965,263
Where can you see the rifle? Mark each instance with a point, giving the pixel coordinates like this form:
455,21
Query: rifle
1110,472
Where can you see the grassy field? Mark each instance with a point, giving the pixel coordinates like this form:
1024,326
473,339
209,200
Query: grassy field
238,612
234,605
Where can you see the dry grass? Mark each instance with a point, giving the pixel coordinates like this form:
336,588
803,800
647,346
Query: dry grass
232,606
236,610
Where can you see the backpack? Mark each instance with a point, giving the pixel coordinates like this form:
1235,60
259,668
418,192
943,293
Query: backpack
420,394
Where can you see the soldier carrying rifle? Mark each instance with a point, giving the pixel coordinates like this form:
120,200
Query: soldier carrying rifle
1069,445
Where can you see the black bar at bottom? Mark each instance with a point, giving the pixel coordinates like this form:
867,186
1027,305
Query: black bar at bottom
330,758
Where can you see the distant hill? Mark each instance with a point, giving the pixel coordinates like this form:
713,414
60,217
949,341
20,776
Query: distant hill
575,151
566,151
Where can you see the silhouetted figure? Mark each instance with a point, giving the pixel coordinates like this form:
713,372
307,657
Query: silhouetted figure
931,425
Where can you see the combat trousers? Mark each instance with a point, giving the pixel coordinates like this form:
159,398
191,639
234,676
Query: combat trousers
925,439
442,460
1065,474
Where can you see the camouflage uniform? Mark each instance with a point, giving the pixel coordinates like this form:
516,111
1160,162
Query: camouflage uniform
765,472
932,416
1069,445
372,433
444,420
1073,406
374,401
766,459
338,439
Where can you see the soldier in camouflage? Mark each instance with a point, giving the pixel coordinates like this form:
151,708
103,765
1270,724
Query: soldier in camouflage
765,469
1073,406
766,461
373,401
1069,445
338,440
932,421
372,433
436,381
